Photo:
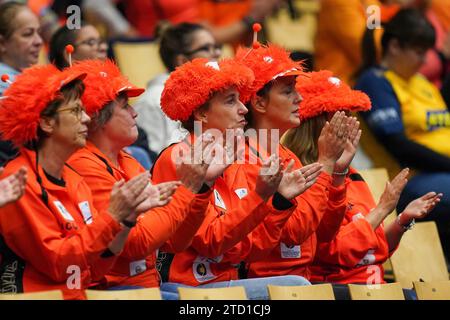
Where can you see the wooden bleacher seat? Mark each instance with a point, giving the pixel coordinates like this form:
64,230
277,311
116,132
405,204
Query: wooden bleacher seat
313,292
420,256
436,290
389,291
230,293
43,295
136,294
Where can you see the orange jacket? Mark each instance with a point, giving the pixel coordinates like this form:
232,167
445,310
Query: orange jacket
45,246
297,245
136,263
239,226
349,257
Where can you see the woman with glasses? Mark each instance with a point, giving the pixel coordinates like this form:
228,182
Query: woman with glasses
53,238
20,44
86,41
103,162
178,45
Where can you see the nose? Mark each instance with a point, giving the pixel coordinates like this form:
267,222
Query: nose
298,97
242,108
133,112
85,119
37,41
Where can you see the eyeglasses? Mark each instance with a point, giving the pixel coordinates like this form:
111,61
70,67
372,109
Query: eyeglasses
77,111
90,42
206,48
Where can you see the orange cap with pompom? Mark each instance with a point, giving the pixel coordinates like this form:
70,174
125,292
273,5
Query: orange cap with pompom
104,82
192,84
27,97
267,63
322,92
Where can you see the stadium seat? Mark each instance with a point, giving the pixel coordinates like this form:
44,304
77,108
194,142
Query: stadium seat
314,292
436,290
43,295
136,294
420,256
138,60
229,293
281,28
389,291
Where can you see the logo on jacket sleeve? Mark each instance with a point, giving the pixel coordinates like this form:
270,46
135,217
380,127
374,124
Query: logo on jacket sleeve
369,258
290,251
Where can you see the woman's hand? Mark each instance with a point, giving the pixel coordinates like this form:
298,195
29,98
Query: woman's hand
389,198
350,147
295,182
421,207
13,186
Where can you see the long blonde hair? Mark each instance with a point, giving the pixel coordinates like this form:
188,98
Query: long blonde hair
303,140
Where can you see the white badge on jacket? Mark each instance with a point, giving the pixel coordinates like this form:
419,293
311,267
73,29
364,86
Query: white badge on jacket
85,211
241,193
201,269
65,214
289,252
218,201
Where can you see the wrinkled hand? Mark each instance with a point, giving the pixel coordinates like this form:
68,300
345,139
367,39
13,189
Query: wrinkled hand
126,196
332,140
13,186
192,167
389,198
224,156
295,182
351,145
422,206
157,195
269,177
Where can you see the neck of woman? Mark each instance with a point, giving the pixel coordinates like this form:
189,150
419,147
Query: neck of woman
106,146
52,157
267,133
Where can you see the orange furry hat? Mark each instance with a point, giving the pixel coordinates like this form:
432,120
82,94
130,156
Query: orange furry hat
322,92
267,63
104,82
27,97
192,84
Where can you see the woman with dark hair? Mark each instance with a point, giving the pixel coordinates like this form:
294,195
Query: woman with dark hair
409,116
86,42
178,45
53,238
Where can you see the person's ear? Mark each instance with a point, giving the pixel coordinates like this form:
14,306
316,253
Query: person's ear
47,124
200,114
181,59
394,47
259,104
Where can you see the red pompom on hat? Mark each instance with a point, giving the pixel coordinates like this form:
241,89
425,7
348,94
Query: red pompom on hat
104,82
267,63
27,97
192,84
322,92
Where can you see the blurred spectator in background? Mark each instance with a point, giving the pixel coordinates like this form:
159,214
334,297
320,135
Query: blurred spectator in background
178,45
409,116
228,21
20,44
86,41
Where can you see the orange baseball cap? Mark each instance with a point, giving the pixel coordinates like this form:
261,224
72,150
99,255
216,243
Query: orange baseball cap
104,82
